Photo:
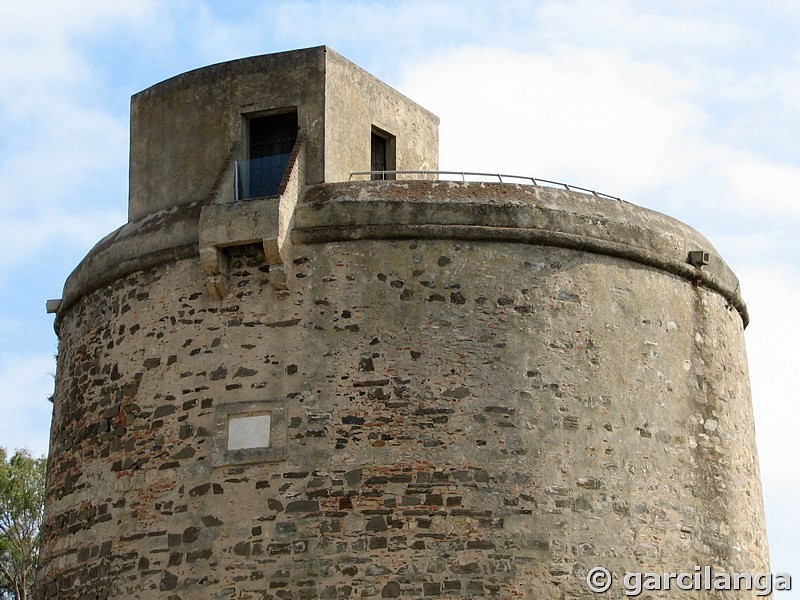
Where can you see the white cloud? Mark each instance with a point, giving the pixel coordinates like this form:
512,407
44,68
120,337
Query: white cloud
597,118
27,382
28,236
764,185
54,192
62,155
675,32
783,531
773,295
787,9
37,40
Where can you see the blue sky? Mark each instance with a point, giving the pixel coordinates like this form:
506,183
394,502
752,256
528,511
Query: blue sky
691,108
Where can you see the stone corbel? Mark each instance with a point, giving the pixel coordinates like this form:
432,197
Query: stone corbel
215,266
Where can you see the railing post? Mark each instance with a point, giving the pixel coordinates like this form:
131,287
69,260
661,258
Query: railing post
236,180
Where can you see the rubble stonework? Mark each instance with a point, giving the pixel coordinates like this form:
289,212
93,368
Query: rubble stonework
473,389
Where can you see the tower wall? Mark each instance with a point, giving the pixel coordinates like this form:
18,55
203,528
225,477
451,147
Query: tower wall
473,389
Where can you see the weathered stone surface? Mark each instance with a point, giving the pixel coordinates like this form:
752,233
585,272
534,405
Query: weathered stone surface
474,390
508,434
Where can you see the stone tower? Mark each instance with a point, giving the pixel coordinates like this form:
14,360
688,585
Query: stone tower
276,383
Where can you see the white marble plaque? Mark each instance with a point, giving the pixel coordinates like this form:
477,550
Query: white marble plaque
248,431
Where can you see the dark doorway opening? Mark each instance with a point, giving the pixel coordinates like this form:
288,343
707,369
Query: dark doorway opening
382,154
271,139
378,162
273,135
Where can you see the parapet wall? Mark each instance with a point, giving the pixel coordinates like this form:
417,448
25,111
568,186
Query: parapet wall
476,391
451,210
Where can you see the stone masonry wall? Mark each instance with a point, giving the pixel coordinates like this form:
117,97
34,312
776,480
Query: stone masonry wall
459,419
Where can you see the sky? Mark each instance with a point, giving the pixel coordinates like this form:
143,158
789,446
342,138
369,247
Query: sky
687,107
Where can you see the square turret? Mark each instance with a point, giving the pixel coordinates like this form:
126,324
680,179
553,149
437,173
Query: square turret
189,132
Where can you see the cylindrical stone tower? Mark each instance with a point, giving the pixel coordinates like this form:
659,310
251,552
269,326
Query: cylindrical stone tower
393,389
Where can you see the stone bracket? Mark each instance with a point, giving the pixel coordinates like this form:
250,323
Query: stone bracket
215,266
236,224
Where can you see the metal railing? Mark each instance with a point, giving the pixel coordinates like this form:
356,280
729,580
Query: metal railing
501,178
